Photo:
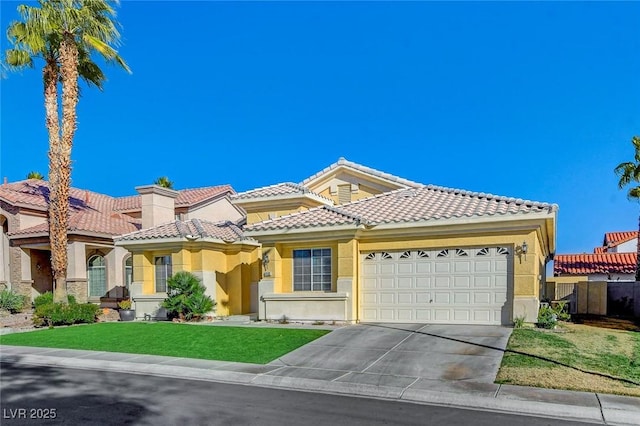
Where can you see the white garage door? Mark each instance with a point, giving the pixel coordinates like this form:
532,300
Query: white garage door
453,286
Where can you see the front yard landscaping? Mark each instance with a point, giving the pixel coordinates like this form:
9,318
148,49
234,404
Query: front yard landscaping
240,344
576,357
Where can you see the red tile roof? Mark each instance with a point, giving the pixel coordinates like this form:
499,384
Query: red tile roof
614,238
185,198
91,212
406,205
594,263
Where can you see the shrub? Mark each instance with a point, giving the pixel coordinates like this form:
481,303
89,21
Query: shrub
12,301
65,314
562,311
186,298
518,322
43,299
547,318
124,304
71,299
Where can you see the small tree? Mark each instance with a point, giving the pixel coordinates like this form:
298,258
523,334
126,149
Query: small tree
186,298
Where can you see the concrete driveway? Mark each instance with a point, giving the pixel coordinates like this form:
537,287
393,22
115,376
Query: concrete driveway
402,355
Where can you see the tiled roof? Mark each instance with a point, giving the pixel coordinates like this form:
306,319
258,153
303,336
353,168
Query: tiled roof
93,222
342,162
407,205
225,231
34,193
185,198
278,190
614,238
594,263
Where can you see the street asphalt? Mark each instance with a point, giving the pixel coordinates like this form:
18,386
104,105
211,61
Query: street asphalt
433,364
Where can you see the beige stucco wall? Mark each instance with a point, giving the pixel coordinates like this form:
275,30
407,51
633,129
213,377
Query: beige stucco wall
526,269
219,210
227,272
28,220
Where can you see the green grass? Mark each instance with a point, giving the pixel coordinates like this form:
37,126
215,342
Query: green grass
581,358
239,344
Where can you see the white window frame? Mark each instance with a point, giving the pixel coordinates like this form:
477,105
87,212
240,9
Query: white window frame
317,280
166,268
128,271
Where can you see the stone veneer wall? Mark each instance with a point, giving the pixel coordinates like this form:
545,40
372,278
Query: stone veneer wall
78,288
15,253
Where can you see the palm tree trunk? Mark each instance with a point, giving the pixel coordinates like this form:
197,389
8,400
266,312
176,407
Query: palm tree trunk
60,202
58,262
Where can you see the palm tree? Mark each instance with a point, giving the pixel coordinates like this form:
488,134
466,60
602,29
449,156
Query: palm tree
629,174
63,33
164,182
35,175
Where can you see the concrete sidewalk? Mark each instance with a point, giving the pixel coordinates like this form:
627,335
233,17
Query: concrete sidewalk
581,406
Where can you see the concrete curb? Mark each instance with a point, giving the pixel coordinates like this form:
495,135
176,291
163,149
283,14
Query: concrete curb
582,406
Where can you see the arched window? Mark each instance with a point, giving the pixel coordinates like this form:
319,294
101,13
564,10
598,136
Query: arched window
128,271
97,275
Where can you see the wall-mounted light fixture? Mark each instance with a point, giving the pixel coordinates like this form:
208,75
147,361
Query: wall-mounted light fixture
525,247
265,264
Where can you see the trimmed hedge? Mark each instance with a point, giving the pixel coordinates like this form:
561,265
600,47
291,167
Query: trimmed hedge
65,314
12,301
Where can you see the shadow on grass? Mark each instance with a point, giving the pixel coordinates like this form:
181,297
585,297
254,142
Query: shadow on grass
538,357
613,323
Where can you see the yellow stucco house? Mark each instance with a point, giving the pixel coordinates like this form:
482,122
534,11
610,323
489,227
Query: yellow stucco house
352,244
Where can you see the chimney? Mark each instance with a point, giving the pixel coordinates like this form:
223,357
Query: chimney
158,205
5,181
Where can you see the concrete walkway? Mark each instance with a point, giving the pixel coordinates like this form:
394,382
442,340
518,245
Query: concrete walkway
381,361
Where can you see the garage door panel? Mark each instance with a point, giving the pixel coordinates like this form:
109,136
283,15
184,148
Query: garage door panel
424,267
405,282
442,267
387,283
423,282
482,281
464,286
406,298
405,268
461,315
461,267
464,281
442,282
461,298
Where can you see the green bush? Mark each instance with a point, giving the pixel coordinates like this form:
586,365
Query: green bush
71,299
186,298
65,314
12,301
547,317
43,299
519,321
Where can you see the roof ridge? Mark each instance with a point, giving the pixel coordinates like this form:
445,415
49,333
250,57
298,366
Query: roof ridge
206,187
504,198
357,218
366,169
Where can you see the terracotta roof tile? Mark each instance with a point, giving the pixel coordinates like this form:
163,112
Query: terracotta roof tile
407,205
594,263
342,162
93,222
225,231
612,239
35,194
185,198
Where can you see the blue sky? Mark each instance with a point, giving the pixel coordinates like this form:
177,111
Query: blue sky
533,100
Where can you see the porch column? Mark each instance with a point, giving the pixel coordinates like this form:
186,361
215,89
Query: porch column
77,284
22,257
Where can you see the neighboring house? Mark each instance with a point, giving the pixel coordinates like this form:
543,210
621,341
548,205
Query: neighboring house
615,260
391,250
96,266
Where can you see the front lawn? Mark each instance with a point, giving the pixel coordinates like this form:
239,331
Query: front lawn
240,344
580,357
